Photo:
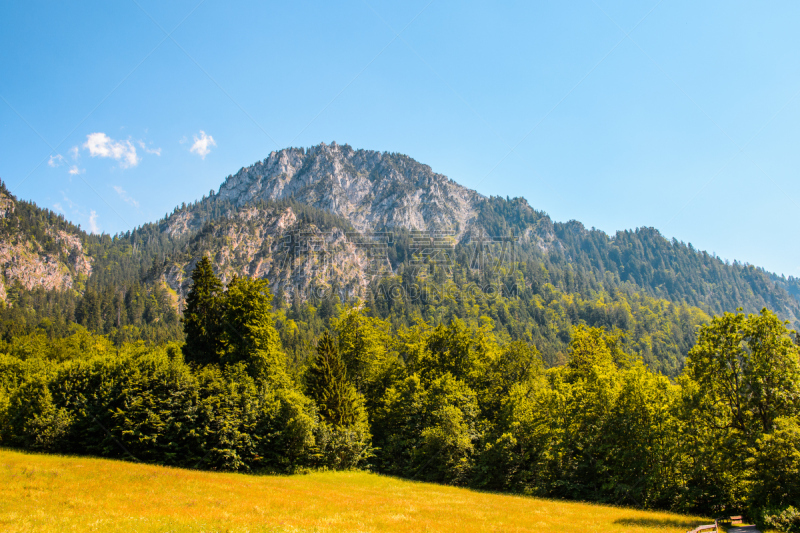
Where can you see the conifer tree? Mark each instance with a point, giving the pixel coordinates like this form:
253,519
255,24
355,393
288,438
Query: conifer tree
339,403
247,330
201,320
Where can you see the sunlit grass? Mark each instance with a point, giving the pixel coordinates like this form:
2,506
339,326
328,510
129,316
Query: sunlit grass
56,493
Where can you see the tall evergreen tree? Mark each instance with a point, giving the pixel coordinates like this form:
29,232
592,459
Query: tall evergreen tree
201,320
247,329
338,402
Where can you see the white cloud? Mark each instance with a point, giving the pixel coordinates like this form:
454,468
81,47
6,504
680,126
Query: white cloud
154,151
74,170
125,196
56,160
93,227
202,145
73,152
101,145
58,207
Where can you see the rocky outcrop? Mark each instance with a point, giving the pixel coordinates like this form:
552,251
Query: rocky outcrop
24,261
294,256
80,263
23,265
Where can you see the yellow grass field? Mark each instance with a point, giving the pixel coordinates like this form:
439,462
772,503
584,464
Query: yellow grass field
56,493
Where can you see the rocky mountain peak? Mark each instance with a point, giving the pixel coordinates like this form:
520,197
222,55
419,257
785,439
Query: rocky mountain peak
371,189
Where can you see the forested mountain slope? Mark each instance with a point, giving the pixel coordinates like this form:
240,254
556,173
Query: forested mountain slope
376,191
329,223
665,269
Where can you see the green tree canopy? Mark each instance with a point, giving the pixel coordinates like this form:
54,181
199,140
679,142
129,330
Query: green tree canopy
201,318
747,372
248,329
337,399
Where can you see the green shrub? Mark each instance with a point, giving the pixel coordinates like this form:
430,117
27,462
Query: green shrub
785,520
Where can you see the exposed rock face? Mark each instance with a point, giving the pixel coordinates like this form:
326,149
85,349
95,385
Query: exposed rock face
272,243
24,261
76,258
372,190
31,270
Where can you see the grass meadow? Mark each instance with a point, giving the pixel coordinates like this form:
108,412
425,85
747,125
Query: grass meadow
59,494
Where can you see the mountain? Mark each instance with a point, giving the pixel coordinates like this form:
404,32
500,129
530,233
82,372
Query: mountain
330,223
375,192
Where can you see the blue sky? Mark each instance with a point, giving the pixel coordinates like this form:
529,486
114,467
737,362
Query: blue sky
683,116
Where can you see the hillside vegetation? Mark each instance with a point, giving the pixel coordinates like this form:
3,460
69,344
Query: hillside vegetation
451,404
54,494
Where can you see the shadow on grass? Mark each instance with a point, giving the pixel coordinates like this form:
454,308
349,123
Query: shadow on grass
659,523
